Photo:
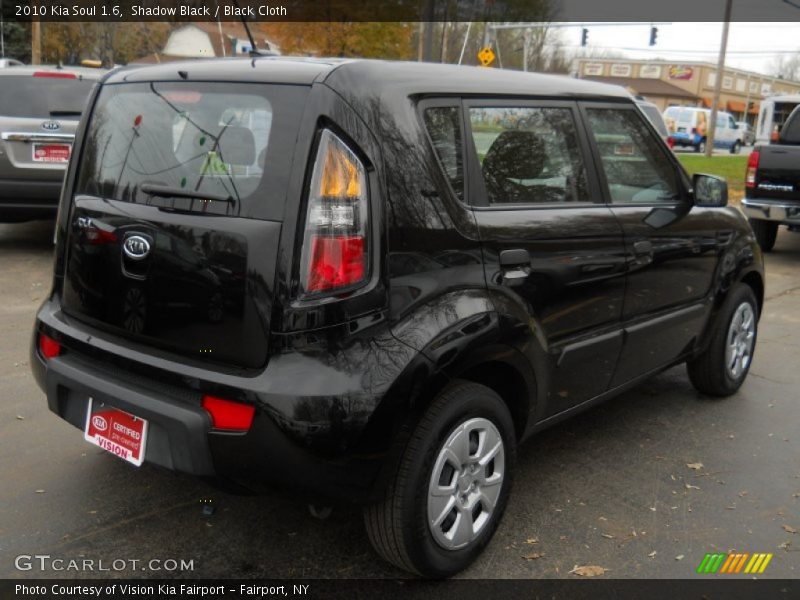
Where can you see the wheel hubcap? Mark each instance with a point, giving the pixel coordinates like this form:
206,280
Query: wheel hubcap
741,336
465,483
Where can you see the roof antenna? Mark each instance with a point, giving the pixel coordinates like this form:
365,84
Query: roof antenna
254,51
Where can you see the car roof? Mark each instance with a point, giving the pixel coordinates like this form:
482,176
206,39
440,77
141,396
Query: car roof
80,72
368,77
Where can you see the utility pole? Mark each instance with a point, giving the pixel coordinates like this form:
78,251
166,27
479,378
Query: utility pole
36,41
712,127
2,33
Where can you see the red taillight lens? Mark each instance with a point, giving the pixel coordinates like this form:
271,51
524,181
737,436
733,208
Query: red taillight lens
335,245
752,169
48,346
335,262
55,74
229,415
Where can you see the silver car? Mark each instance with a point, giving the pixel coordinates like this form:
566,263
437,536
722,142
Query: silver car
39,112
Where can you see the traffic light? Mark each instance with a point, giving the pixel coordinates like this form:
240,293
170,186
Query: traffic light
584,36
653,35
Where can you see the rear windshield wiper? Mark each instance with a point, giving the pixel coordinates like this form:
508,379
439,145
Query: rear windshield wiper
165,191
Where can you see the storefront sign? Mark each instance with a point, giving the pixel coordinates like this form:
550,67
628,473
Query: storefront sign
681,72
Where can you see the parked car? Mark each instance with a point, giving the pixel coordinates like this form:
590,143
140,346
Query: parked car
651,111
424,265
9,62
688,127
772,184
773,114
39,112
748,135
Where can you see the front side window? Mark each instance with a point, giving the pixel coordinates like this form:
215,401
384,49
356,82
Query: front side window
529,155
636,167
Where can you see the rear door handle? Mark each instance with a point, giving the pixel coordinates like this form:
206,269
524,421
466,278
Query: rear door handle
515,266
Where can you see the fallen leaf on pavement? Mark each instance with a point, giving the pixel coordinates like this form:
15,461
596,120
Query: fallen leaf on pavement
40,491
789,529
588,570
533,556
691,487
785,545
679,557
532,541
653,554
20,418
696,466
607,535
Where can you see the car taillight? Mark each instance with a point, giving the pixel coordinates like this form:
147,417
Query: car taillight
55,74
228,415
48,347
752,169
335,243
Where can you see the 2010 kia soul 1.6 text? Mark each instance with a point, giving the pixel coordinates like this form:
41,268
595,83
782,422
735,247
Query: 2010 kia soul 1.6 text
372,280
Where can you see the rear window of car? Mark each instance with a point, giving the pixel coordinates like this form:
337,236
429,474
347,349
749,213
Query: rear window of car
26,96
203,147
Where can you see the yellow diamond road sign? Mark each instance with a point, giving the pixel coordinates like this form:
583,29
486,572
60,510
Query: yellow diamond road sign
486,56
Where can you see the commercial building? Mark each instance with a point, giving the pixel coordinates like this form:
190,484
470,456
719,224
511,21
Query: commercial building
666,83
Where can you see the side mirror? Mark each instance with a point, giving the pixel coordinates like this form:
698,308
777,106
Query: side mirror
710,191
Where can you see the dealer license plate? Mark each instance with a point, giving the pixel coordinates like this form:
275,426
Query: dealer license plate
51,153
120,433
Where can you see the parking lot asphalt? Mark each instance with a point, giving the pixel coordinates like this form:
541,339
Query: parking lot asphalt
610,487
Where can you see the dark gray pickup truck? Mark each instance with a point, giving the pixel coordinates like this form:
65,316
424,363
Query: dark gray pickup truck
772,184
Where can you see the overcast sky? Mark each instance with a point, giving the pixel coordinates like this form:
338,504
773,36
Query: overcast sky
751,46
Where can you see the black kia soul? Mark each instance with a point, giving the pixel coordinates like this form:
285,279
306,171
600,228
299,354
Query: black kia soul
372,280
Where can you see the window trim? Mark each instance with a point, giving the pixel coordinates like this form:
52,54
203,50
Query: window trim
478,199
682,178
445,102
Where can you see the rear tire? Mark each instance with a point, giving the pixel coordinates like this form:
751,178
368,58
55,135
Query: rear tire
766,232
736,148
432,520
701,147
722,368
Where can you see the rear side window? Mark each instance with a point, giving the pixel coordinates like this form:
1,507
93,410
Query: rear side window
206,147
651,112
444,127
529,155
26,96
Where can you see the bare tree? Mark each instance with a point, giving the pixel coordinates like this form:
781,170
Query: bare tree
786,66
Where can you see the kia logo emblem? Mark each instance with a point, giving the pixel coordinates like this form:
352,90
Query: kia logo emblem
51,125
136,247
99,423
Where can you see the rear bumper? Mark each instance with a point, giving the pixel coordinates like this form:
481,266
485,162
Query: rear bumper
772,210
309,443
24,199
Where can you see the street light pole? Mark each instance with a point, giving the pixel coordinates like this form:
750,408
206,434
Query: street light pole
712,127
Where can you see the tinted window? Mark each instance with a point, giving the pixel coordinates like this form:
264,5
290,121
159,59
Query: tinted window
40,97
444,127
651,111
223,140
529,155
636,167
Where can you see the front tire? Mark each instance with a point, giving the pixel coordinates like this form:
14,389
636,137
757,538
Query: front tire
736,148
766,233
722,368
451,486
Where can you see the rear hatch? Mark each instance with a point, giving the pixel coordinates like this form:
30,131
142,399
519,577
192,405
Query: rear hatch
778,173
170,242
39,113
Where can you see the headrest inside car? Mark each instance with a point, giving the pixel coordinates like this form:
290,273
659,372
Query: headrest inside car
237,146
515,155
